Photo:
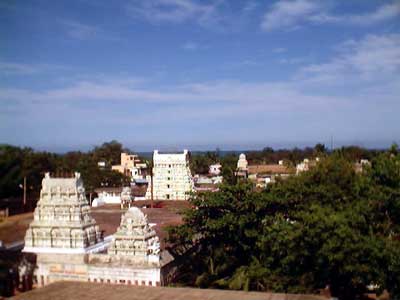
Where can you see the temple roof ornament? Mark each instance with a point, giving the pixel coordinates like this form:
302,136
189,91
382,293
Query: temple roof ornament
135,238
62,217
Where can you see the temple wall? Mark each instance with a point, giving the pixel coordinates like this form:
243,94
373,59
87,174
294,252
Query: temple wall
74,267
121,275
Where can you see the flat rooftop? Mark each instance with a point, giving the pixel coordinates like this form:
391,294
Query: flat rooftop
82,290
108,217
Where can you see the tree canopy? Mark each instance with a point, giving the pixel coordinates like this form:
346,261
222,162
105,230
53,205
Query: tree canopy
329,226
17,163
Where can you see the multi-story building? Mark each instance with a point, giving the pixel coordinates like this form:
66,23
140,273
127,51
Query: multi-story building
131,166
172,179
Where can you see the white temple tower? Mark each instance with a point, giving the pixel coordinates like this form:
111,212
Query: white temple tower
242,163
61,218
172,179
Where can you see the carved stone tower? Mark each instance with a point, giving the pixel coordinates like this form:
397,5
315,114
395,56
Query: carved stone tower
61,218
135,239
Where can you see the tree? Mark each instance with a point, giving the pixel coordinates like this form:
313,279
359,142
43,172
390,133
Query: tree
329,226
109,152
319,149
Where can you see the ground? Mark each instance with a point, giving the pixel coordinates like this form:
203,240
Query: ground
83,290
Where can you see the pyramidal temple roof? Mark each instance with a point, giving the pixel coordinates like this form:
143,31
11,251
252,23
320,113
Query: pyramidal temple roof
62,218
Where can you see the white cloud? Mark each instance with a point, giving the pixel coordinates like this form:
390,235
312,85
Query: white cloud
174,11
371,58
290,14
279,50
385,12
16,68
193,46
292,60
12,68
80,31
229,93
250,6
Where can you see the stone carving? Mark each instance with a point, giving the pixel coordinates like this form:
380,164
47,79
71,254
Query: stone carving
62,216
135,238
126,197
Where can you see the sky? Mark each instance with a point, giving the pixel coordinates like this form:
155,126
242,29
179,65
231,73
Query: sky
172,74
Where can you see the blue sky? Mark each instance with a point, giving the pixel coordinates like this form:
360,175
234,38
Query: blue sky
200,74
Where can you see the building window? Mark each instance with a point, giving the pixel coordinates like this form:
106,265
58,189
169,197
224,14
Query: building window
169,166
167,196
168,186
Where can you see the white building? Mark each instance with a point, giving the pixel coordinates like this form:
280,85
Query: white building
242,163
131,166
108,195
172,179
306,165
215,169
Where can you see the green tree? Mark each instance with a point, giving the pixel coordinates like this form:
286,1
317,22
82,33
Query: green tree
329,226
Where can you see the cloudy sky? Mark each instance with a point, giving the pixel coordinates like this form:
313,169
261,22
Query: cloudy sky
201,74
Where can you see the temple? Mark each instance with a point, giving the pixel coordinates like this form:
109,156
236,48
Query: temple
68,245
135,238
62,220
172,179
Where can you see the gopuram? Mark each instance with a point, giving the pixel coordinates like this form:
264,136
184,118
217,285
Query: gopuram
68,245
172,179
62,219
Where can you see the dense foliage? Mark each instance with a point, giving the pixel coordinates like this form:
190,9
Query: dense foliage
326,227
17,163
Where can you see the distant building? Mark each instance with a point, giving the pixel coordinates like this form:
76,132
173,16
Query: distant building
215,169
131,166
203,183
242,163
108,195
360,166
172,179
306,165
265,174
